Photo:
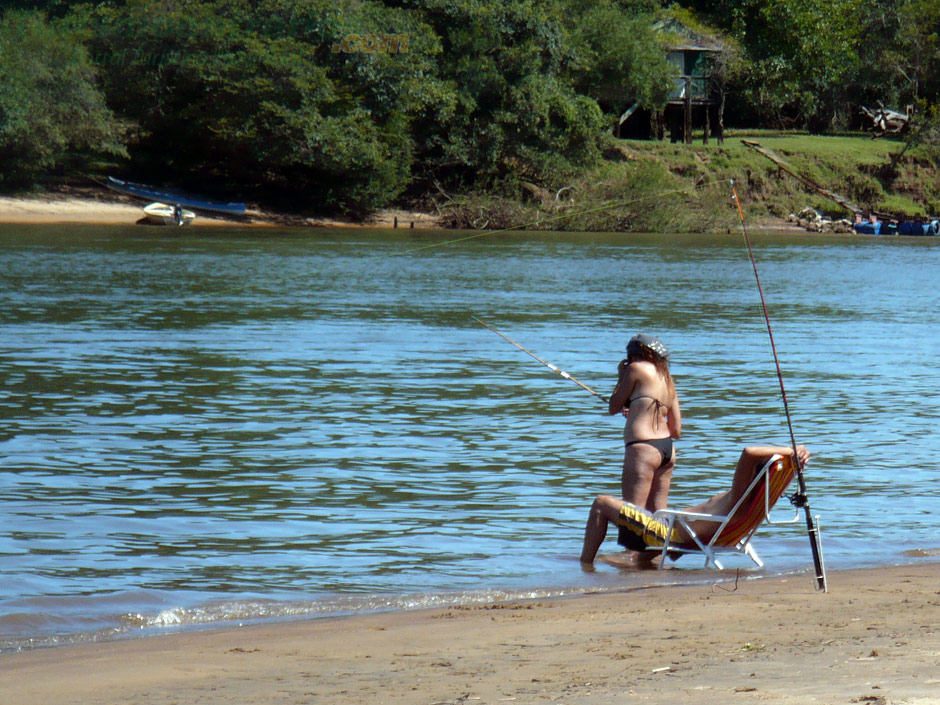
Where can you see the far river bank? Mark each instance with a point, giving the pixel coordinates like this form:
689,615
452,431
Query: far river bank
639,186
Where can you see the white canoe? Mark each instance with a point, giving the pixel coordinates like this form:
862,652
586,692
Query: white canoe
162,214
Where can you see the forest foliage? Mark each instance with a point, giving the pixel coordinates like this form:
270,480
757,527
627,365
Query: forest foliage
348,105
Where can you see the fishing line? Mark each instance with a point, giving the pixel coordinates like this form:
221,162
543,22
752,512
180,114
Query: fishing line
799,499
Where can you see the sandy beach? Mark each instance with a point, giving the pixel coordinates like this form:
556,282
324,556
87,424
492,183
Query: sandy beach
875,638
99,206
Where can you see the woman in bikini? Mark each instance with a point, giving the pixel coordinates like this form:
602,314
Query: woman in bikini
646,396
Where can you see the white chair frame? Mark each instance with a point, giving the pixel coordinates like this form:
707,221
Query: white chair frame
672,517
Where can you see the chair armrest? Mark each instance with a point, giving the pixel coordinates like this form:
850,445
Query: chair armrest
689,515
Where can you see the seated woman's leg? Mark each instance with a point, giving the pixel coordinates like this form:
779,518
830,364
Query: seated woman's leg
604,511
641,529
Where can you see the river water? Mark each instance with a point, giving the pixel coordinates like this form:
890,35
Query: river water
216,426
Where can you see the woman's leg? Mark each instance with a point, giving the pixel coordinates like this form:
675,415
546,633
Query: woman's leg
605,510
659,488
639,467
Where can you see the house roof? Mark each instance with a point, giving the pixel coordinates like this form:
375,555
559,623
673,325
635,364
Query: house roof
680,37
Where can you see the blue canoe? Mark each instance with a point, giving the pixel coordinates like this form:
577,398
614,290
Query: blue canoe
173,198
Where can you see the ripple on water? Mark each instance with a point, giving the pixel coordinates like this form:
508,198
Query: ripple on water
211,429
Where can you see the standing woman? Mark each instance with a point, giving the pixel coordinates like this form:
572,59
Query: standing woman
646,396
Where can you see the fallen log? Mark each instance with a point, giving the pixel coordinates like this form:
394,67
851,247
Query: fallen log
803,179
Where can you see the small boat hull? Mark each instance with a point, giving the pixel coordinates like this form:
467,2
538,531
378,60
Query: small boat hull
166,196
930,228
163,214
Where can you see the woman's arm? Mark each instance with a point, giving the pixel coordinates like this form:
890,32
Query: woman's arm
625,382
674,417
753,457
756,453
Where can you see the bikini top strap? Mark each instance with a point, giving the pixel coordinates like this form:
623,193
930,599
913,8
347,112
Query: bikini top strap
656,402
657,405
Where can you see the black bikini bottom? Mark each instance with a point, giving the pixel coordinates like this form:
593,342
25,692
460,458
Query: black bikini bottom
663,445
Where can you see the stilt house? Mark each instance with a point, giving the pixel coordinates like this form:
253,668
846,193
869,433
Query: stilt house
698,97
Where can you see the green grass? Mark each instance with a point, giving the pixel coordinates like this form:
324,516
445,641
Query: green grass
846,151
646,186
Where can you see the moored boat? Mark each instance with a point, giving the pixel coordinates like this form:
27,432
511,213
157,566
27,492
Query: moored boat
163,214
896,226
166,196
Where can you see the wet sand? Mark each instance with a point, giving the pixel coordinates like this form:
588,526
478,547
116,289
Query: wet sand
875,638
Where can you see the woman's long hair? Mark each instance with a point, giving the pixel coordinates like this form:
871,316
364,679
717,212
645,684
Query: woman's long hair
659,362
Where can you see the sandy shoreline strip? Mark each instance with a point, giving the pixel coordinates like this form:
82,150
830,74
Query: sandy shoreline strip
103,207
875,638
100,206
46,211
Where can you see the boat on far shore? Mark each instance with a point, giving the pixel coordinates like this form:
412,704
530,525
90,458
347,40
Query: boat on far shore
866,222
874,224
163,196
163,214
901,225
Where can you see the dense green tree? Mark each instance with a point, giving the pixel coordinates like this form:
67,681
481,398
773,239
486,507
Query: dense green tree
800,53
533,80
899,52
617,55
812,64
252,93
899,55
877,75
917,65
383,61
51,111
511,113
345,103
56,8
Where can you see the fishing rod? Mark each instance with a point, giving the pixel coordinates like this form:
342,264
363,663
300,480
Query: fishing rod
799,499
544,362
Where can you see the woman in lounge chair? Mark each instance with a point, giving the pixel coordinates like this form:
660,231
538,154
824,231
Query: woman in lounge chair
607,509
646,396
